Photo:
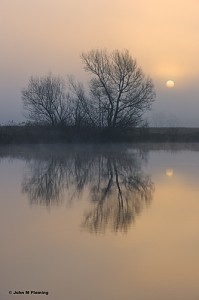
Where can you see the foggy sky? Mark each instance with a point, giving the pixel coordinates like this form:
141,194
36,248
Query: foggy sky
41,36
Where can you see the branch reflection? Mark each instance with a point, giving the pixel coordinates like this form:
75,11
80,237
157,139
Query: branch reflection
45,183
119,194
117,186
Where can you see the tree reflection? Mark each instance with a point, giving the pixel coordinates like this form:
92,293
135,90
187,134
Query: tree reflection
118,188
45,183
121,192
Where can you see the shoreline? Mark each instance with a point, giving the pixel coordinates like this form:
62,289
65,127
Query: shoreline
47,135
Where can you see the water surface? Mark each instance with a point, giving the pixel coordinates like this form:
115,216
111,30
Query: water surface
99,222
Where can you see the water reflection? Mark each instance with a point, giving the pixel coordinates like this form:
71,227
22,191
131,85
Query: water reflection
112,176
45,182
160,253
169,172
119,193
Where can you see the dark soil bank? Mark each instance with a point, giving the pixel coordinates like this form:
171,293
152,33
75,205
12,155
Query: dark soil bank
42,134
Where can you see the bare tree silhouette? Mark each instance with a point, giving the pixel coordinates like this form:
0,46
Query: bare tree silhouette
117,95
119,92
45,101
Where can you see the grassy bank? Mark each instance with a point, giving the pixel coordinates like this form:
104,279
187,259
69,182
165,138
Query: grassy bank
42,134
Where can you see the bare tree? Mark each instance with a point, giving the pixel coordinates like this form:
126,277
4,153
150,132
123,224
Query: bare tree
81,108
45,100
119,92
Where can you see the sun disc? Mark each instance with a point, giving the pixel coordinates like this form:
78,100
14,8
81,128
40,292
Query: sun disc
170,84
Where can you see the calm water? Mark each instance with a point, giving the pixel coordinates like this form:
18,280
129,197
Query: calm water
99,223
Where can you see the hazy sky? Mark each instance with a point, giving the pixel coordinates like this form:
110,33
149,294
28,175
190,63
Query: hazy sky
38,36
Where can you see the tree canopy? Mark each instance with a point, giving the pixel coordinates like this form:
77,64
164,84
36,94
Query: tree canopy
120,93
117,96
45,100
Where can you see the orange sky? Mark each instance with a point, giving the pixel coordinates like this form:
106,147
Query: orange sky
38,36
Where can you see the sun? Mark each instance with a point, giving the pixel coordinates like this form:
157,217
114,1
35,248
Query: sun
170,84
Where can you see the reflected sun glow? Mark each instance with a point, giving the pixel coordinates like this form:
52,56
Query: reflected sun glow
169,172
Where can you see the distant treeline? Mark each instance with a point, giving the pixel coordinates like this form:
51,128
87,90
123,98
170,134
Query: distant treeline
45,135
